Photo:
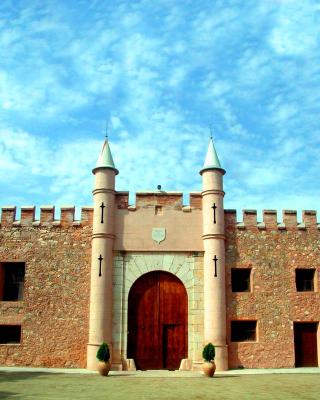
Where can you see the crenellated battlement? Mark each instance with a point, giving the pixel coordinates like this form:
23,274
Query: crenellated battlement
160,198
65,216
270,220
48,216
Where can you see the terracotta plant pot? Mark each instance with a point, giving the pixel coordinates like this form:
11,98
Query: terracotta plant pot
104,367
209,368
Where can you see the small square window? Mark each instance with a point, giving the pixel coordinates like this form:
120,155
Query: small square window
10,334
305,279
158,210
240,279
243,331
11,281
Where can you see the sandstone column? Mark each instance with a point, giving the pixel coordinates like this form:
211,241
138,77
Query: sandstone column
214,257
100,320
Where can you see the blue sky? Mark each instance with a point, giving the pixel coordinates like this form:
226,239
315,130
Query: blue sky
161,72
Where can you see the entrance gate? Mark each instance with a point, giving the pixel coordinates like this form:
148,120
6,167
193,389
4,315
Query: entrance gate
157,321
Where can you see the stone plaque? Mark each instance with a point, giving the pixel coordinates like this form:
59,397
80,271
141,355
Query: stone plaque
158,234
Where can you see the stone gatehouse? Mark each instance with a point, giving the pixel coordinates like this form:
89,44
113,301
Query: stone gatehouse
159,279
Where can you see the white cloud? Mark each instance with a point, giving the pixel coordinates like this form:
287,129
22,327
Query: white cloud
163,72
49,171
295,32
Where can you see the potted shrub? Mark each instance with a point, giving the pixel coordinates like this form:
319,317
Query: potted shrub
103,356
208,355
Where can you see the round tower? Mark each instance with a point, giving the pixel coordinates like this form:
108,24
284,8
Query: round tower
214,256
100,320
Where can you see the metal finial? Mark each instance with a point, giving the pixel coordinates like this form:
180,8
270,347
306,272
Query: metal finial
107,126
210,127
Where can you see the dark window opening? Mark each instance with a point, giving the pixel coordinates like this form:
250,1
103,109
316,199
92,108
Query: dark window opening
158,210
12,281
243,331
240,279
10,334
305,280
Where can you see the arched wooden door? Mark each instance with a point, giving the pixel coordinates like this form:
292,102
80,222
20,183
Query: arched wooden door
157,321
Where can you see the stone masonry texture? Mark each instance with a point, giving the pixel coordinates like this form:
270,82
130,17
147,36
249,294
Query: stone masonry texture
54,312
273,254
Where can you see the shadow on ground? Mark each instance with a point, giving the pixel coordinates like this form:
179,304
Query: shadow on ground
19,376
8,395
56,386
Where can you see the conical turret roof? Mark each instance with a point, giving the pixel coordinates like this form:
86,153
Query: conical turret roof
212,159
105,159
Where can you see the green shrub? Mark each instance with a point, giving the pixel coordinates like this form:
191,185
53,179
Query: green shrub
209,352
103,354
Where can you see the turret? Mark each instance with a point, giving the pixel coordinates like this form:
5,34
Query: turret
214,256
100,321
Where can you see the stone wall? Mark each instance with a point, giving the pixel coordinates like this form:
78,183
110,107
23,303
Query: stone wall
54,311
273,252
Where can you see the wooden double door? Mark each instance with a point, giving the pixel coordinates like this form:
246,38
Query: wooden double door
157,321
305,344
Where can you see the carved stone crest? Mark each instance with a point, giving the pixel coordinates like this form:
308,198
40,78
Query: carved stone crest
158,234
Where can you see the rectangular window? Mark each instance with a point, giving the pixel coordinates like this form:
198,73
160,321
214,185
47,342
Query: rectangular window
10,334
305,279
243,331
11,281
158,210
240,279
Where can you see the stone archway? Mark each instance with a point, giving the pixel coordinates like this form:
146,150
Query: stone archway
130,266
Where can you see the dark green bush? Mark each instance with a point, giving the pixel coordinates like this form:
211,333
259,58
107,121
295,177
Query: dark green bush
103,353
209,352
